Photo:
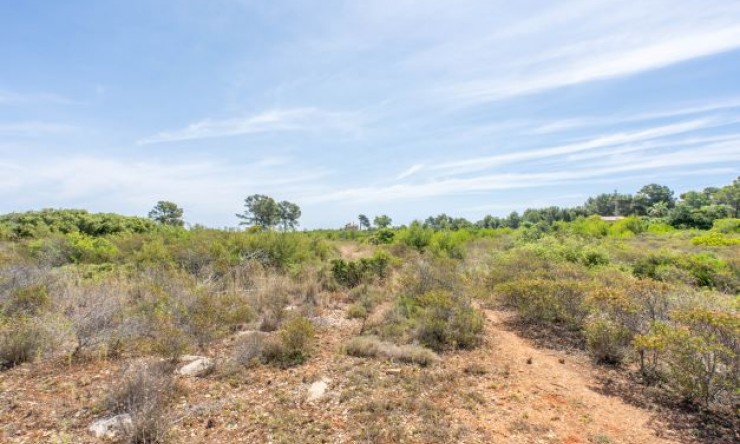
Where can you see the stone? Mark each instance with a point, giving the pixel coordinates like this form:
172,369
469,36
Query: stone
110,427
198,367
317,390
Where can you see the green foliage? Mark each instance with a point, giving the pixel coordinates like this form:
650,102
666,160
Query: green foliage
167,213
726,226
416,236
263,211
26,301
699,352
607,341
353,273
446,321
36,224
382,236
627,227
542,300
715,239
293,345
382,221
706,270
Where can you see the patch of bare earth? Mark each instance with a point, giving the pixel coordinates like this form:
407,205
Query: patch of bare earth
506,391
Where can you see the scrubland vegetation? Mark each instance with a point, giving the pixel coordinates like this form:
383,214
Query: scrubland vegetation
654,295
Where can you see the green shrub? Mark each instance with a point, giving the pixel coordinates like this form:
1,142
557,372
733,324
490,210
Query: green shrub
699,352
726,226
445,321
353,273
607,341
715,239
543,300
382,236
357,311
29,301
293,344
415,236
627,227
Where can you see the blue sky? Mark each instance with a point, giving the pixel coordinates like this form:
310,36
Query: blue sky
404,107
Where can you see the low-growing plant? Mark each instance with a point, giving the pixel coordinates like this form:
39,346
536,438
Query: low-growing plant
22,339
372,347
293,344
144,393
607,341
544,300
28,301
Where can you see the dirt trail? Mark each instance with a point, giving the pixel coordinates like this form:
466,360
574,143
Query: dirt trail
549,397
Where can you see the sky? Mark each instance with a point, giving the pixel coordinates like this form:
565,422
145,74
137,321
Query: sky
408,108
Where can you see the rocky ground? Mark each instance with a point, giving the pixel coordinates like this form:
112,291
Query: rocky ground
506,391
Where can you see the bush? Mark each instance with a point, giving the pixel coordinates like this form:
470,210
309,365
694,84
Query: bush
29,301
444,321
698,351
249,349
353,273
543,300
22,340
371,347
144,393
715,239
292,346
726,226
607,341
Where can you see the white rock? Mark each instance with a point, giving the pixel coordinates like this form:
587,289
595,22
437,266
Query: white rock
317,390
110,427
198,367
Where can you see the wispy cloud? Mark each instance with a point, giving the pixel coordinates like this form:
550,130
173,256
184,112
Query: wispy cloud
413,169
596,65
581,122
719,154
486,162
275,120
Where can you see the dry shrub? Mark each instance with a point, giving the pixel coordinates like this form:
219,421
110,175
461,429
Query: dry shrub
249,349
144,392
372,347
23,340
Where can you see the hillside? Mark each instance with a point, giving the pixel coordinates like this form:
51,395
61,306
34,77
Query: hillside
589,332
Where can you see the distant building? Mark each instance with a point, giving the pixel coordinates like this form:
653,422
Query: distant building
611,218
351,227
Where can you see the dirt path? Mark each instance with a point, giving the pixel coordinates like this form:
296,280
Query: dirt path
549,396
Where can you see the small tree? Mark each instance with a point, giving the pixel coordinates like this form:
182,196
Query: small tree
167,213
364,221
382,221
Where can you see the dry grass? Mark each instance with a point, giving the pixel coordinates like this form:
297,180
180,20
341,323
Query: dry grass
371,347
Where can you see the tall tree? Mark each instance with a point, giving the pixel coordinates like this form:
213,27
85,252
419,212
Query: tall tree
364,221
167,213
260,210
382,221
289,215
730,196
653,194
